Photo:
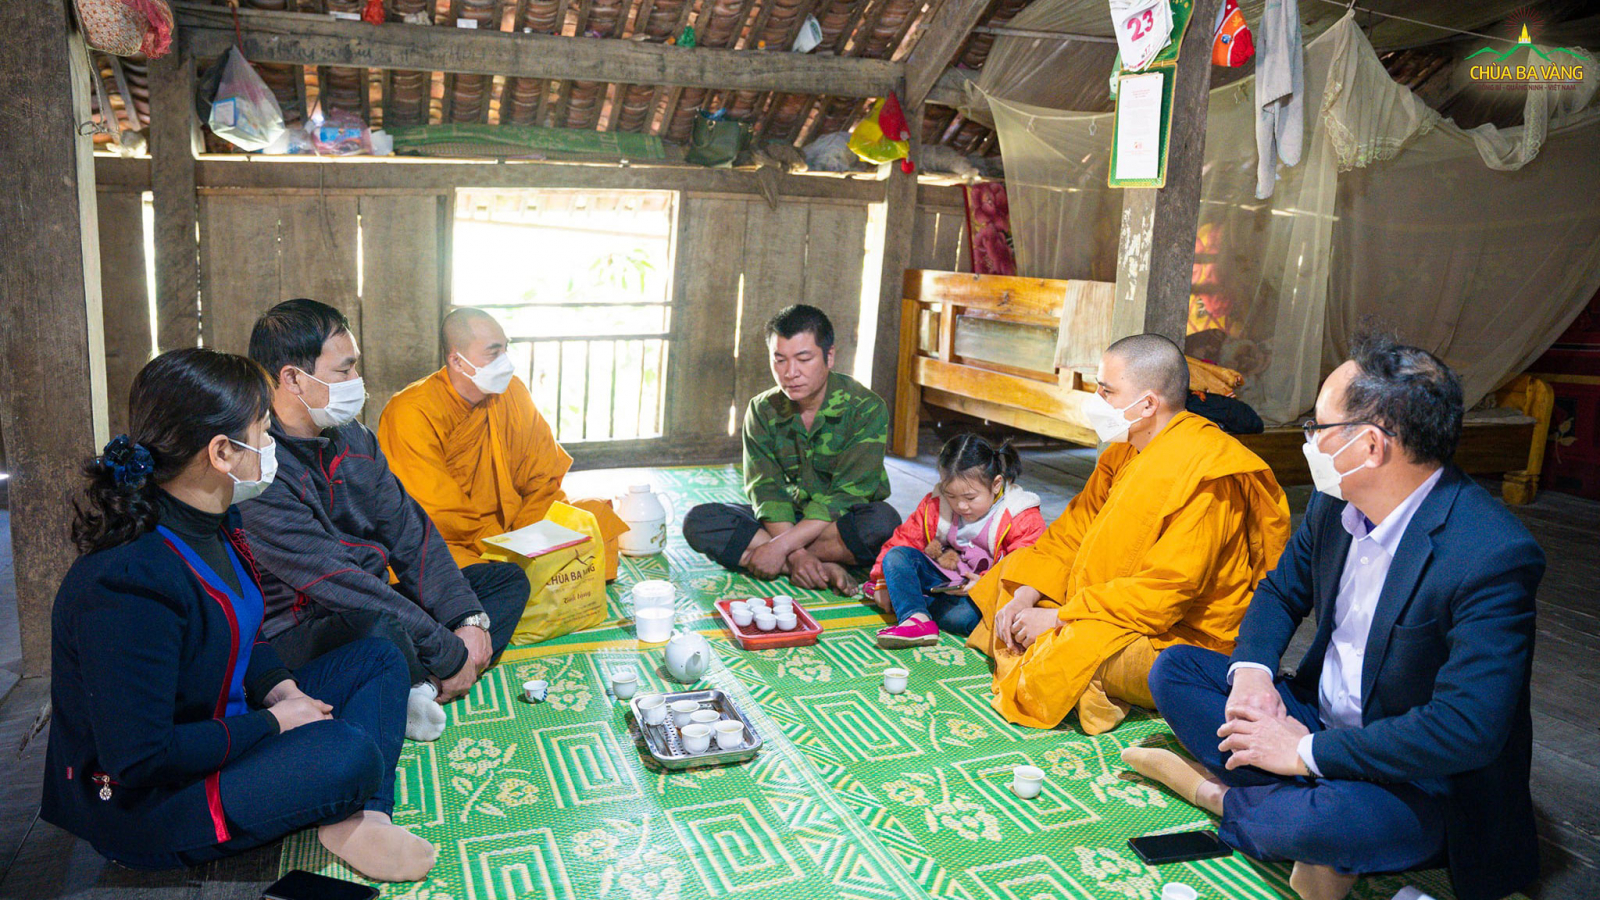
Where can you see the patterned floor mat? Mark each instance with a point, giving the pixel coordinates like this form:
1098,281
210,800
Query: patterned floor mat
856,794
700,581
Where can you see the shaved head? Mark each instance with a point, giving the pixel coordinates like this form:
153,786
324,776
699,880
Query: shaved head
1153,363
466,326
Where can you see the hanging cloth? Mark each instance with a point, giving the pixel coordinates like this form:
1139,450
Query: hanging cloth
1280,93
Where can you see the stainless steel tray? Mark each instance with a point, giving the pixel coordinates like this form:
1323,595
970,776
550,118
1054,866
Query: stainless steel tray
664,745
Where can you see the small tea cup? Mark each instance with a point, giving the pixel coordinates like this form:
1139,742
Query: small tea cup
757,604
742,616
683,712
894,680
766,621
1172,890
737,605
705,717
1027,781
696,738
624,683
782,602
535,691
730,734
652,709
786,621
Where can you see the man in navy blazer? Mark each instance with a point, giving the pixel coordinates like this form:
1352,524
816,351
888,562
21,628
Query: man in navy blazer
1404,738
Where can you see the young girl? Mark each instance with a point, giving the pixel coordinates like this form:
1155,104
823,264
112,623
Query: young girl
975,517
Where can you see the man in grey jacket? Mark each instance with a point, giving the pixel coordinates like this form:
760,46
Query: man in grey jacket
336,522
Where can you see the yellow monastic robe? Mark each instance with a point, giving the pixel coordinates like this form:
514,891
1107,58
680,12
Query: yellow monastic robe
484,470
1167,544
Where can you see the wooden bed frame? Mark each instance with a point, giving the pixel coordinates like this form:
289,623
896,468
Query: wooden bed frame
1025,394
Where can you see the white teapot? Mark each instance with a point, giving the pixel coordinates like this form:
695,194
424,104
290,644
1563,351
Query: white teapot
647,521
688,656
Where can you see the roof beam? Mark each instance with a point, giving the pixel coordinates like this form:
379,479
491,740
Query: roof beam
948,24
305,39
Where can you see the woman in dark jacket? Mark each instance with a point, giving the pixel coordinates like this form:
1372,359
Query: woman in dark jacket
177,737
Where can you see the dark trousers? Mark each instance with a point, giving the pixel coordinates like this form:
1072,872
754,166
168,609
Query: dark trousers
321,772
910,577
723,531
1356,827
502,590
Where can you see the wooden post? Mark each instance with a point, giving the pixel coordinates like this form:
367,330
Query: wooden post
1155,257
52,385
900,195
173,135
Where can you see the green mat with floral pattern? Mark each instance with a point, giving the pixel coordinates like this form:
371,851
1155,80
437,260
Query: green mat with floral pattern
856,794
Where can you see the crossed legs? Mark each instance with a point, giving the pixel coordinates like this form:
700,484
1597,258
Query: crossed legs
1332,829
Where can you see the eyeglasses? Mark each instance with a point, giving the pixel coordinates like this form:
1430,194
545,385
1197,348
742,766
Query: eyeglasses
1311,426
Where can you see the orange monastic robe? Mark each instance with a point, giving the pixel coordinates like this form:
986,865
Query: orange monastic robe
484,470
1168,544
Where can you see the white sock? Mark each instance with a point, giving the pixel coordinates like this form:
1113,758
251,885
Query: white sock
424,716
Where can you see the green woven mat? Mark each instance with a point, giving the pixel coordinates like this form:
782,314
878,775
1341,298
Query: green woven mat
856,794
700,581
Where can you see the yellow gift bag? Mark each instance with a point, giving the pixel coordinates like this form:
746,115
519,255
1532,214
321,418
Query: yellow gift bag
567,586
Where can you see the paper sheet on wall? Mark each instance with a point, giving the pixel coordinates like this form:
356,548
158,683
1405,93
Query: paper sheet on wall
1139,127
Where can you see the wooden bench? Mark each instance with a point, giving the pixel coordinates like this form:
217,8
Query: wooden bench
985,346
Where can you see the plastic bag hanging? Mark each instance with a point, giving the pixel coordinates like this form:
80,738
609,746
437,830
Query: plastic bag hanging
883,135
245,113
1232,44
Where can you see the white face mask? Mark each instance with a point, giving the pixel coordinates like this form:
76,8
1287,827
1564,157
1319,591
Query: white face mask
249,490
1106,420
494,377
1325,472
345,400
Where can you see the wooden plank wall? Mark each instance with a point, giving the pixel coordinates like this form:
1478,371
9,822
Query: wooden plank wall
940,239
737,262
259,248
740,261
405,241
125,297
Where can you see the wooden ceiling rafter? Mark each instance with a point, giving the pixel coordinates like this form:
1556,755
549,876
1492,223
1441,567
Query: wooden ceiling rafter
564,93
775,100
675,95
720,99
656,120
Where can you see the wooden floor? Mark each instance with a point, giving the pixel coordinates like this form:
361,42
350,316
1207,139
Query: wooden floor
41,861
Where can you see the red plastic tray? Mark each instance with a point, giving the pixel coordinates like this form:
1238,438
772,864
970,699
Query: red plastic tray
806,630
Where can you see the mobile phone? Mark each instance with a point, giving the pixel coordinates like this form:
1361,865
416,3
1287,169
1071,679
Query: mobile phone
1182,846
302,885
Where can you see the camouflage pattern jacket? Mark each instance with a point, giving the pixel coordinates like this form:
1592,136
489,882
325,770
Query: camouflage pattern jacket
792,474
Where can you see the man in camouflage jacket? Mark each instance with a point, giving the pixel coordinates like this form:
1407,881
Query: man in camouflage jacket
813,469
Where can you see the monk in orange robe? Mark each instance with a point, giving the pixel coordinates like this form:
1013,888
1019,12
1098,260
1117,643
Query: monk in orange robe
469,445
1164,545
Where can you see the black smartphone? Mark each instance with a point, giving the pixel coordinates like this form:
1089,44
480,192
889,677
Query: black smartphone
1182,846
302,885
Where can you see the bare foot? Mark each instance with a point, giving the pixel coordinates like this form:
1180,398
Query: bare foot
1187,778
1320,882
840,580
377,848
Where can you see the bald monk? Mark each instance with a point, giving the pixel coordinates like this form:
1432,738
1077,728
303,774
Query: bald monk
1164,545
469,445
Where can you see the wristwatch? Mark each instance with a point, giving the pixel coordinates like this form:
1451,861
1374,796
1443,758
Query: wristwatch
479,619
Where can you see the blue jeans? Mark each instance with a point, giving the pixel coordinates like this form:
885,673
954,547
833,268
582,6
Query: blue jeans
909,576
1357,827
321,772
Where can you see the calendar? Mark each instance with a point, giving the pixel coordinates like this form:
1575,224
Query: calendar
1143,28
